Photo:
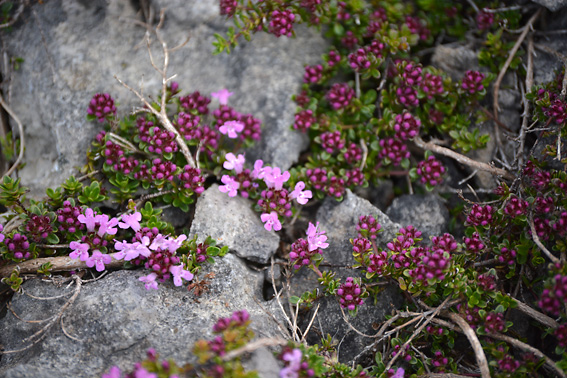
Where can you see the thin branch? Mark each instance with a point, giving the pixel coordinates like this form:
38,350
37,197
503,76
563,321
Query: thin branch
40,334
59,264
471,335
364,148
528,348
162,113
278,294
357,83
14,17
310,323
462,159
250,347
21,131
528,89
534,314
538,242
511,55
90,174
416,332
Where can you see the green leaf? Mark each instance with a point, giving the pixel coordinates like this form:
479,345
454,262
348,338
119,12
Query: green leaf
52,239
338,29
294,300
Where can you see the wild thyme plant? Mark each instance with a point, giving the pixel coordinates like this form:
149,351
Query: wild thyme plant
365,107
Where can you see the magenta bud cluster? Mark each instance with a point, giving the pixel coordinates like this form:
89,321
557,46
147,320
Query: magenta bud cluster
102,106
331,141
300,254
430,171
394,150
349,294
368,227
38,227
406,126
472,82
480,215
340,95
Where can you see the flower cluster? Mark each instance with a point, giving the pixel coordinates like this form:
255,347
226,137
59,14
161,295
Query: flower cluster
349,294
554,295
275,200
101,107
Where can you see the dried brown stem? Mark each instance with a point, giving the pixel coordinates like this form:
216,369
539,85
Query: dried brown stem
162,113
511,55
416,332
40,334
21,131
475,343
528,348
59,264
526,114
250,347
462,158
15,16
278,295
538,242
534,314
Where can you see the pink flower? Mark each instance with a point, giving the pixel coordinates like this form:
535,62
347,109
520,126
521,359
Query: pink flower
114,372
170,244
230,186
178,273
231,128
233,162
222,96
294,364
259,171
293,357
131,221
88,219
129,251
276,178
99,259
399,373
302,196
1,235
143,373
80,251
149,281
315,238
106,226
271,221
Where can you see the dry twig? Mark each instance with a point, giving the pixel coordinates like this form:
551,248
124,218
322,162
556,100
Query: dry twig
59,264
250,347
511,55
162,114
462,158
21,131
538,242
528,348
416,332
40,334
475,343
526,114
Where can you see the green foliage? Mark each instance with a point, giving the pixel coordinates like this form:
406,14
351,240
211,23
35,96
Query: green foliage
11,193
91,194
14,280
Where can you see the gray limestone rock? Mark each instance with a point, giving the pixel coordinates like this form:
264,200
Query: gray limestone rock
552,5
339,220
72,50
233,222
116,320
427,213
